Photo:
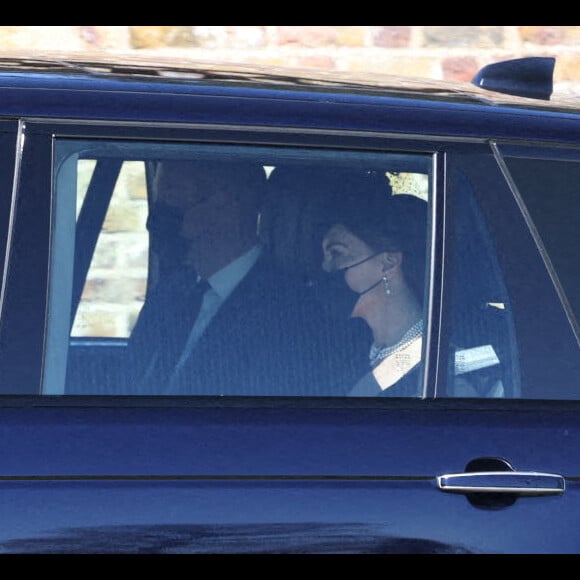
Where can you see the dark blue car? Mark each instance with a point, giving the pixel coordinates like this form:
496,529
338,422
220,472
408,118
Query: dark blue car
436,412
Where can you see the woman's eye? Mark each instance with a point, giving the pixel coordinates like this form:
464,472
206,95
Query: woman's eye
336,252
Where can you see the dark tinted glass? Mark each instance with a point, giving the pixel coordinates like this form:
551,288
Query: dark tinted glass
142,227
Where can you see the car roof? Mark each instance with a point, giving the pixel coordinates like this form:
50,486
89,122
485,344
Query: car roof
59,68
127,89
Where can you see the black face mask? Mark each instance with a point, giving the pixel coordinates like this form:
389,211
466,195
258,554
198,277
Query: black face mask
164,224
164,219
337,294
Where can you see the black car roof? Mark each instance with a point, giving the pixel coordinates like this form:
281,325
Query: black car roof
96,69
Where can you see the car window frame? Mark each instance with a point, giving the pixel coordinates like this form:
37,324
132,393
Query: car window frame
39,144
117,148
42,133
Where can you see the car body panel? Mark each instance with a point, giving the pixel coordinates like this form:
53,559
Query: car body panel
320,482
283,109
115,474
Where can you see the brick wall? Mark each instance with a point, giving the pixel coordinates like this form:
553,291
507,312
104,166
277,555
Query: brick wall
436,52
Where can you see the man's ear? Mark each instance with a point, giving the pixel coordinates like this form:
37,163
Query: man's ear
391,260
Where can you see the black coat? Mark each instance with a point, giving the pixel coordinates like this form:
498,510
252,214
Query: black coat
272,336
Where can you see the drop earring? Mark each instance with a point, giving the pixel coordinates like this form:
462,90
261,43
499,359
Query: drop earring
259,225
386,285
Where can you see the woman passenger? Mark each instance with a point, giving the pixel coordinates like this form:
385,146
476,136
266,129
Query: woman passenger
375,250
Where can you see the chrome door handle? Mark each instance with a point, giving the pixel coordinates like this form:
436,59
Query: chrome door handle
515,482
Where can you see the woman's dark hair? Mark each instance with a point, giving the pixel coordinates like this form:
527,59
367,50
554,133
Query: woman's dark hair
317,197
385,221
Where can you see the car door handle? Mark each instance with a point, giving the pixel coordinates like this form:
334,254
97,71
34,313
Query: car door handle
514,482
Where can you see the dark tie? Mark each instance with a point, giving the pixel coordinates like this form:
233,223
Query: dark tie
167,322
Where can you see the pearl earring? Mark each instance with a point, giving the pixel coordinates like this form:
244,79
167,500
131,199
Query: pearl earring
386,285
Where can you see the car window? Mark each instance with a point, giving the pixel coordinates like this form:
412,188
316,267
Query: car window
482,345
137,225
501,241
549,185
256,271
116,278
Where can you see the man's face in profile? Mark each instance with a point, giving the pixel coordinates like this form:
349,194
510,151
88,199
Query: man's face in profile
202,193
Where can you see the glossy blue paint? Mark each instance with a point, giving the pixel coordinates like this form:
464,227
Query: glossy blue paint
170,480
223,475
221,441
102,99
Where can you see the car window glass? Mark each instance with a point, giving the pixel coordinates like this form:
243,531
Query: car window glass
482,348
117,276
550,189
505,295
140,224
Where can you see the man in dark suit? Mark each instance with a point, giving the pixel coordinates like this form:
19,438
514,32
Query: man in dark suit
255,328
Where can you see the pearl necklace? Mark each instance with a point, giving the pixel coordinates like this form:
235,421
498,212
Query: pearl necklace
378,354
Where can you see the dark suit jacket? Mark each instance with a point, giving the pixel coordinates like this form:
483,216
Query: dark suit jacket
270,337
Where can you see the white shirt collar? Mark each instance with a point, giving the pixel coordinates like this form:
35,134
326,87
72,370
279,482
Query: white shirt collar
224,281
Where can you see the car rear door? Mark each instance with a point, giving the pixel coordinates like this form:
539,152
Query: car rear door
456,470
